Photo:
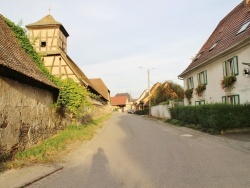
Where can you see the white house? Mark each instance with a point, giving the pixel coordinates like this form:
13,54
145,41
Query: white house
224,56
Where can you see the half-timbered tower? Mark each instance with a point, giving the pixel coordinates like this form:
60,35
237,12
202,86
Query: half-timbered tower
49,38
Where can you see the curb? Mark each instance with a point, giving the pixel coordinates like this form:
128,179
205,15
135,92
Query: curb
41,177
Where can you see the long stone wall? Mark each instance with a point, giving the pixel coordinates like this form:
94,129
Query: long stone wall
26,116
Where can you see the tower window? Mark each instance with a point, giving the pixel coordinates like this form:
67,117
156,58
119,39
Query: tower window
43,44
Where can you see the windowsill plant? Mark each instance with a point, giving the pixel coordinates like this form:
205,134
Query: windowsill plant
200,88
227,83
188,93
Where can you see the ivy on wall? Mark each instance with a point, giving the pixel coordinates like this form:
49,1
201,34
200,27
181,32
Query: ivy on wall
72,95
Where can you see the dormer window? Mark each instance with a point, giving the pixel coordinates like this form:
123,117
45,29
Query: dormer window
214,45
43,44
244,27
198,56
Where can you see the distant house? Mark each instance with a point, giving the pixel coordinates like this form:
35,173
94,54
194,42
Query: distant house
130,99
26,115
49,38
139,102
143,101
220,72
120,103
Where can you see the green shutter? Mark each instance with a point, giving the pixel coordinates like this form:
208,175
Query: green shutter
235,65
192,82
236,99
224,99
198,78
224,65
205,77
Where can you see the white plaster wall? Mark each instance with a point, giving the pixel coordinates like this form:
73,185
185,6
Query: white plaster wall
160,111
214,92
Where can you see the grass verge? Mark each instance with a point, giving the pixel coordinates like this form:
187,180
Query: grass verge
53,149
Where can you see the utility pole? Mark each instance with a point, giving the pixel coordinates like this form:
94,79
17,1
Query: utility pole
149,95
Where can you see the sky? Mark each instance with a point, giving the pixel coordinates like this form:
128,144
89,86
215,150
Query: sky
111,39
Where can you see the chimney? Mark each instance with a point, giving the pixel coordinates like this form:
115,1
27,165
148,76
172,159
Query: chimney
246,2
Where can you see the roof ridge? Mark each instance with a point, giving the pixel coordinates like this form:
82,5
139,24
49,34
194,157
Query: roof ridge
46,20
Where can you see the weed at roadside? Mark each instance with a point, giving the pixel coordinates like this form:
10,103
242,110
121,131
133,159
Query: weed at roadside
54,149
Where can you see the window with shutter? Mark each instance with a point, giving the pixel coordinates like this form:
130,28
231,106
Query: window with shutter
201,102
190,83
230,67
202,77
231,99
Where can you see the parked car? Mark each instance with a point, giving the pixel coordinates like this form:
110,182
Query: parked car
131,111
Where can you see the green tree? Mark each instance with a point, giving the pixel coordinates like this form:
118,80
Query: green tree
166,92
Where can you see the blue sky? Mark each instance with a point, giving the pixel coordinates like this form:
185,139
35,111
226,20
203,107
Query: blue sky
111,39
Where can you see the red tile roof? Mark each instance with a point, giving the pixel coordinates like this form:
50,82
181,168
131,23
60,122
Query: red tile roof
225,35
118,100
100,87
15,59
48,21
124,94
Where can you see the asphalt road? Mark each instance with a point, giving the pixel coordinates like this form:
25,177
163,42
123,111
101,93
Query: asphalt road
133,152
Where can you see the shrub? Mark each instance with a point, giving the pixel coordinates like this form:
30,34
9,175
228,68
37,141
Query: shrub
188,93
213,118
141,112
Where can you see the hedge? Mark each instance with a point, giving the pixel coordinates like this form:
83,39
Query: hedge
213,118
141,112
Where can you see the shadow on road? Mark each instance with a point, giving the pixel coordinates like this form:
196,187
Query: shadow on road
100,173
99,162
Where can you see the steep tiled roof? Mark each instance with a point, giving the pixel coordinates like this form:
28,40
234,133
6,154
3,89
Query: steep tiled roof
170,91
48,21
142,96
100,87
118,100
145,100
224,37
14,58
125,94
77,71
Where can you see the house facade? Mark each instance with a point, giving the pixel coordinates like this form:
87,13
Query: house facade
120,103
220,71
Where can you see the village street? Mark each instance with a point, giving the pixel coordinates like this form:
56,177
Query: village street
134,151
